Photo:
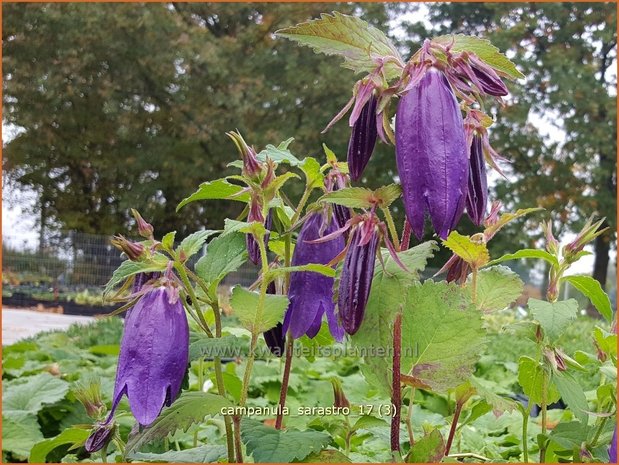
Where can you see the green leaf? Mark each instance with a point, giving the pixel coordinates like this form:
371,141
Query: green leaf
106,349
313,176
224,347
442,336
592,289
216,190
20,432
497,287
233,226
428,449
506,218
29,394
573,395
474,253
246,307
386,296
527,253
487,391
279,154
388,194
553,317
189,408
224,254
359,43
330,154
194,242
368,421
157,262
606,341
353,197
74,436
531,378
311,267
569,435
268,445
484,50
202,454
168,240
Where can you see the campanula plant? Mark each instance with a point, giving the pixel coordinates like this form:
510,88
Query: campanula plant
332,267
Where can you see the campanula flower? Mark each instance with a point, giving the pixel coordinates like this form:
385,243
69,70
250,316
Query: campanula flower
477,195
154,353
311,294
275,337
431,154
362,139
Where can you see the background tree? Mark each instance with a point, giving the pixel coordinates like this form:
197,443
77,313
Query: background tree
127,105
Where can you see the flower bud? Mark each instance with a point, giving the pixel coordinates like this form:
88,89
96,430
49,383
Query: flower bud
589,232
275,338
489,81
552,244
133,250
431,154
251,165
100,437
88,393
356,278
477,195
144,229
339,398
362,139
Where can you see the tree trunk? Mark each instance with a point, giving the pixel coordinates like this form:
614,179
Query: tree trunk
600,266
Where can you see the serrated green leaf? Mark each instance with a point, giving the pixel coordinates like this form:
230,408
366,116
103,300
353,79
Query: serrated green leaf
359,43
572,394
167,241
387,295
474,253
268,445
527,253
310,268
428,449
29,394
484,49
158,262
592,289
233,226
202,454
194,242
73,436
368,421
245,305
20,432
224,254
224,347
352,197
330,154
485,390
388,194
189,408
279,154
326,456
553,317
219,189
497,287
313,176
442,335
531,378
569,435
606,341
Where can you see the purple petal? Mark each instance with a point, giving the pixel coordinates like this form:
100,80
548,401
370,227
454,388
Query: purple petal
362,139
154,353
477,195
431,155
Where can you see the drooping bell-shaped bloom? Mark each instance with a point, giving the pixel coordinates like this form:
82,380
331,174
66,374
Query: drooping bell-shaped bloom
154,353
477,195
356,277
275,337
311,294
431,154
362,139
487,78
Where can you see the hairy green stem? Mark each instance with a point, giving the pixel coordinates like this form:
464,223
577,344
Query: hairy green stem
409,417
474,285
285,378
544,406
392,230
525,428
192,295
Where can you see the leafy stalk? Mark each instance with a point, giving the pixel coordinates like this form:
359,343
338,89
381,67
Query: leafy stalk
396,396
391,225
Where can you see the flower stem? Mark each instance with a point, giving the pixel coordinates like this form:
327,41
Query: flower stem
396,396
409,417
285,378
454,426
525,427
544,406
192,295
392,230
406,235
474,285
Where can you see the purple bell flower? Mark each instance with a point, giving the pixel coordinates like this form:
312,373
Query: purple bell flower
99,437
477,196
253,250
356,277
487,79
154,353
275,337
362,139
311,294
431,154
